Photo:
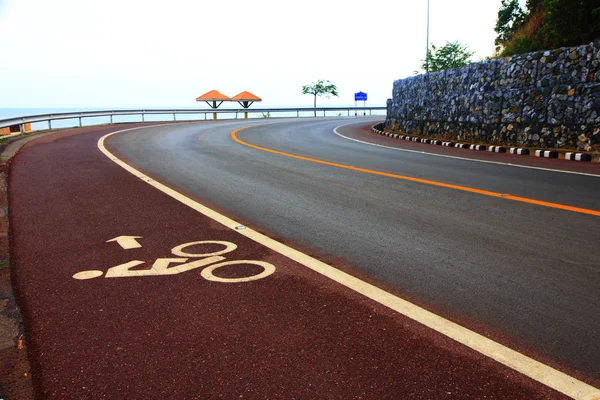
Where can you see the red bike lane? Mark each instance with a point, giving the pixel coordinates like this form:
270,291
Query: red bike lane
152,321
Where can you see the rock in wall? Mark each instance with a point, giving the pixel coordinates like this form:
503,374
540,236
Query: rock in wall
546,99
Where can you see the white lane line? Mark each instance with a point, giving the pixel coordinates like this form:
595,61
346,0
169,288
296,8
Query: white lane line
534,369
335,130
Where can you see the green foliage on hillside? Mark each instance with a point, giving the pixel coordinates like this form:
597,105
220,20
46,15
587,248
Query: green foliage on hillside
546,24
510,17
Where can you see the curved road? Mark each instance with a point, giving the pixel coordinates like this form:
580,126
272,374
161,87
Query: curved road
523,274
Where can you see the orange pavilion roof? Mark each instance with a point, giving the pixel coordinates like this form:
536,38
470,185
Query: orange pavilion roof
246,96
213,95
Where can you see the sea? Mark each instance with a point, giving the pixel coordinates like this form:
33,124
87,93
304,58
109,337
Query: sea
8,113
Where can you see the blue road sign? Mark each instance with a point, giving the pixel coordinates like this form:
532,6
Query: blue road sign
360,96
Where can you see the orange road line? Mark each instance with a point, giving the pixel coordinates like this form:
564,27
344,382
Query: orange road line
529,367
419,180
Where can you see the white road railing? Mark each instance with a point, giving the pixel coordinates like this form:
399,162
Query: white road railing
17,124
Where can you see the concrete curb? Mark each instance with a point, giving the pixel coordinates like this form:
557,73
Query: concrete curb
519,151
15,142
378,129
578,157
546,153
478,147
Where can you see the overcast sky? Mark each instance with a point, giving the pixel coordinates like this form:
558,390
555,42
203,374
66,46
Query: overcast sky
130,53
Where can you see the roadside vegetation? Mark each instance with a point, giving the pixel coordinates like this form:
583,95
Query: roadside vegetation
545,24
541,25
320,88
451,55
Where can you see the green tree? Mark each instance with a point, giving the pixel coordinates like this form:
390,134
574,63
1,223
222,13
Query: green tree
570,22
320,88
510,18
534,5
451,55
546,24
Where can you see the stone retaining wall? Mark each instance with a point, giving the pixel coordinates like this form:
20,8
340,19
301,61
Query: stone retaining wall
546,99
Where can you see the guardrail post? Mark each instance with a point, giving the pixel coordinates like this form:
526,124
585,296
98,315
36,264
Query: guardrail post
80,122
174,117
50,124
21,128
111,119
143,119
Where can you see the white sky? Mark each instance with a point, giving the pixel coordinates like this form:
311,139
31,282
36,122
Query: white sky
132,53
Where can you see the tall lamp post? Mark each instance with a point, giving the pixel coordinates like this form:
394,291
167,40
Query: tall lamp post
427,47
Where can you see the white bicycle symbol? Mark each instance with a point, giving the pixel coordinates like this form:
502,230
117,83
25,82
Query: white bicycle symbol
174,266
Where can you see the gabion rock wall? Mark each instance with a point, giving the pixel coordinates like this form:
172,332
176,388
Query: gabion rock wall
546,99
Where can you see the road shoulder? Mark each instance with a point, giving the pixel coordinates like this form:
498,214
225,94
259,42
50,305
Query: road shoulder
15,368
259,334
362,132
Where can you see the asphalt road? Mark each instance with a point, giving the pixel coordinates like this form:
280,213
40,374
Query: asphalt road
174,322
523,274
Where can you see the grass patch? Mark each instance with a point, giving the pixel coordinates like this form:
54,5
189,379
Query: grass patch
4,265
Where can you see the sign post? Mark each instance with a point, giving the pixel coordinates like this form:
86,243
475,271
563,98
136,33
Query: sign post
360,96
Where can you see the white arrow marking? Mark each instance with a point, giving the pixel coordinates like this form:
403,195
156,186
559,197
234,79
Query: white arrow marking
127,242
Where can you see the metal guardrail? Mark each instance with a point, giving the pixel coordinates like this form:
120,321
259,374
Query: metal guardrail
20,121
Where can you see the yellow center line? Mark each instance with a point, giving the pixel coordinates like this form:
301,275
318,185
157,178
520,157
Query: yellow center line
529,367
419,180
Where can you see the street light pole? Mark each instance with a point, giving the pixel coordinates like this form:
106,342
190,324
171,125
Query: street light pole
427,47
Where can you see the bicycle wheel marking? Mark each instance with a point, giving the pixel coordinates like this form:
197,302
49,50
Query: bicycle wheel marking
178,250
180,264
207,273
